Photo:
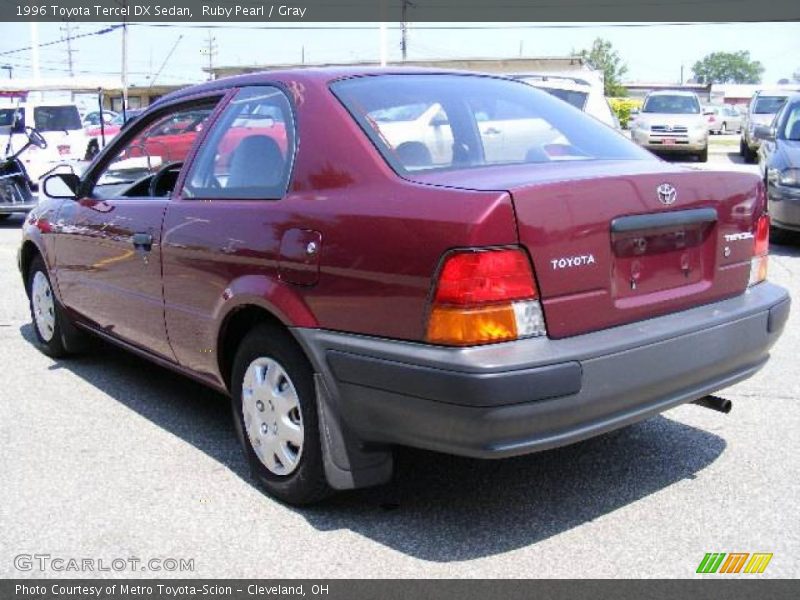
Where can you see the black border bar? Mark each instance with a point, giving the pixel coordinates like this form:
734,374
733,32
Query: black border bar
394,11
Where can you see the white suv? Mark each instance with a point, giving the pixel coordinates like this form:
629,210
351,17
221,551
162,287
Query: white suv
59,124
672,122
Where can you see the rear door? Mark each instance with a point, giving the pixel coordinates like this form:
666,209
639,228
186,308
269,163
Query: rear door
109,243
228,228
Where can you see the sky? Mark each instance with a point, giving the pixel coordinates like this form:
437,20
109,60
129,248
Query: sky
653,53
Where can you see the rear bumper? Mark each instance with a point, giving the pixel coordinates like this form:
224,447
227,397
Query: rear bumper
519,397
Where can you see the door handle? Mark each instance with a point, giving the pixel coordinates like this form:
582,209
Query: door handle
142,240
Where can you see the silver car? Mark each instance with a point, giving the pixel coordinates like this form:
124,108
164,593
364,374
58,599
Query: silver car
671,122
723,119
763,107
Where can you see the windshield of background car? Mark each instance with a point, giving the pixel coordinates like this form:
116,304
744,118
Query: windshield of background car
574,97
56,118
467,121
7,116
676,105
768,105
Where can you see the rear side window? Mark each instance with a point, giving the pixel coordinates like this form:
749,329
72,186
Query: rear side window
678,105
425,122
7,117
249,152
768,105
574,97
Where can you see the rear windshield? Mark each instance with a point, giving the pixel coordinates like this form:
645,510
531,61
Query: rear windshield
577,99
768,105
56,118
674,105
425,122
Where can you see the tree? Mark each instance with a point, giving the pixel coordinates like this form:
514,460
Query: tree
728,67
605,59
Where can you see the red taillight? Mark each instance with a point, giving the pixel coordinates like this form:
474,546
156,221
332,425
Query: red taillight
711,119
762,236
758,266
480,277
485,296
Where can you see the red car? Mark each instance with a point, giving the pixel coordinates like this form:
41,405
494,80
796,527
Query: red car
449,261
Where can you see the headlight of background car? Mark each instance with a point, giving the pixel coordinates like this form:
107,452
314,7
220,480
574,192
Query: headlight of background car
790,177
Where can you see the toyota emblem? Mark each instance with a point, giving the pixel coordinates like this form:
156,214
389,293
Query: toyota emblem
667,194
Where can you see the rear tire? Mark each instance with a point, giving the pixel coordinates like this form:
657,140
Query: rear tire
749,155
55,334
274,407
741,147
702,156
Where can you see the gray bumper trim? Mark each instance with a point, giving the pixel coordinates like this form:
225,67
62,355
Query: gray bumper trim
414,394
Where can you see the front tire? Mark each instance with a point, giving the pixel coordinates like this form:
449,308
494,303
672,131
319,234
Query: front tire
55,334
274,408
702,156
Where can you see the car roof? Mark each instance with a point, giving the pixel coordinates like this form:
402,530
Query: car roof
555,82
318,75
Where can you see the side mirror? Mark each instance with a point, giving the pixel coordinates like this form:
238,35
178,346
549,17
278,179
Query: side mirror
62,186
634,111
764,133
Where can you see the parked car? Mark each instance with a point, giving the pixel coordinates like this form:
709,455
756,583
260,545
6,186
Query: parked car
577,91
762,109
723,119
61,127
92,119
350,297
99,137
671,122
779,161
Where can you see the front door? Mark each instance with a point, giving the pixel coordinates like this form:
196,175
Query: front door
109,242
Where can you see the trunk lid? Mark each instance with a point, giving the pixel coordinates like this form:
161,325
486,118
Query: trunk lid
607,251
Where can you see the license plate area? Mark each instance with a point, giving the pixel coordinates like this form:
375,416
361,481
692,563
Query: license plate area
660,256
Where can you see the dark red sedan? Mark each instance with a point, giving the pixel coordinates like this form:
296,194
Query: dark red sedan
370,258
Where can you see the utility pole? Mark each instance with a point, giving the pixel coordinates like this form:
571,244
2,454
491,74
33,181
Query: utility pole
404,27
124,5
66,35
211,50
35,56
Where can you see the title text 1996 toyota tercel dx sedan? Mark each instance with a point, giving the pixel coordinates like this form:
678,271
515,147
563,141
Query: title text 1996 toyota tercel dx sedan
364,259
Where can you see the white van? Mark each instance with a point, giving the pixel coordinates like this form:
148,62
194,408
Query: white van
59,124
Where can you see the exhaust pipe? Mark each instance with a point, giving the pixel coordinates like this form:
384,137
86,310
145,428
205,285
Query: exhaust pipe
715,403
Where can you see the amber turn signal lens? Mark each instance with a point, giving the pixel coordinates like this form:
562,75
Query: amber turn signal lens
468,327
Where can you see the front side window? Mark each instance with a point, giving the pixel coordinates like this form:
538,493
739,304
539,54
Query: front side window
162,144
57,118
424,122
249,153
668,104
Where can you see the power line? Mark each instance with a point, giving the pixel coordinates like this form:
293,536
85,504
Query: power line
448,27
63,40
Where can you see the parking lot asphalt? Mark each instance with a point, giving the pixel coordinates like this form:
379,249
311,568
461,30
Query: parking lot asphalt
106,456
